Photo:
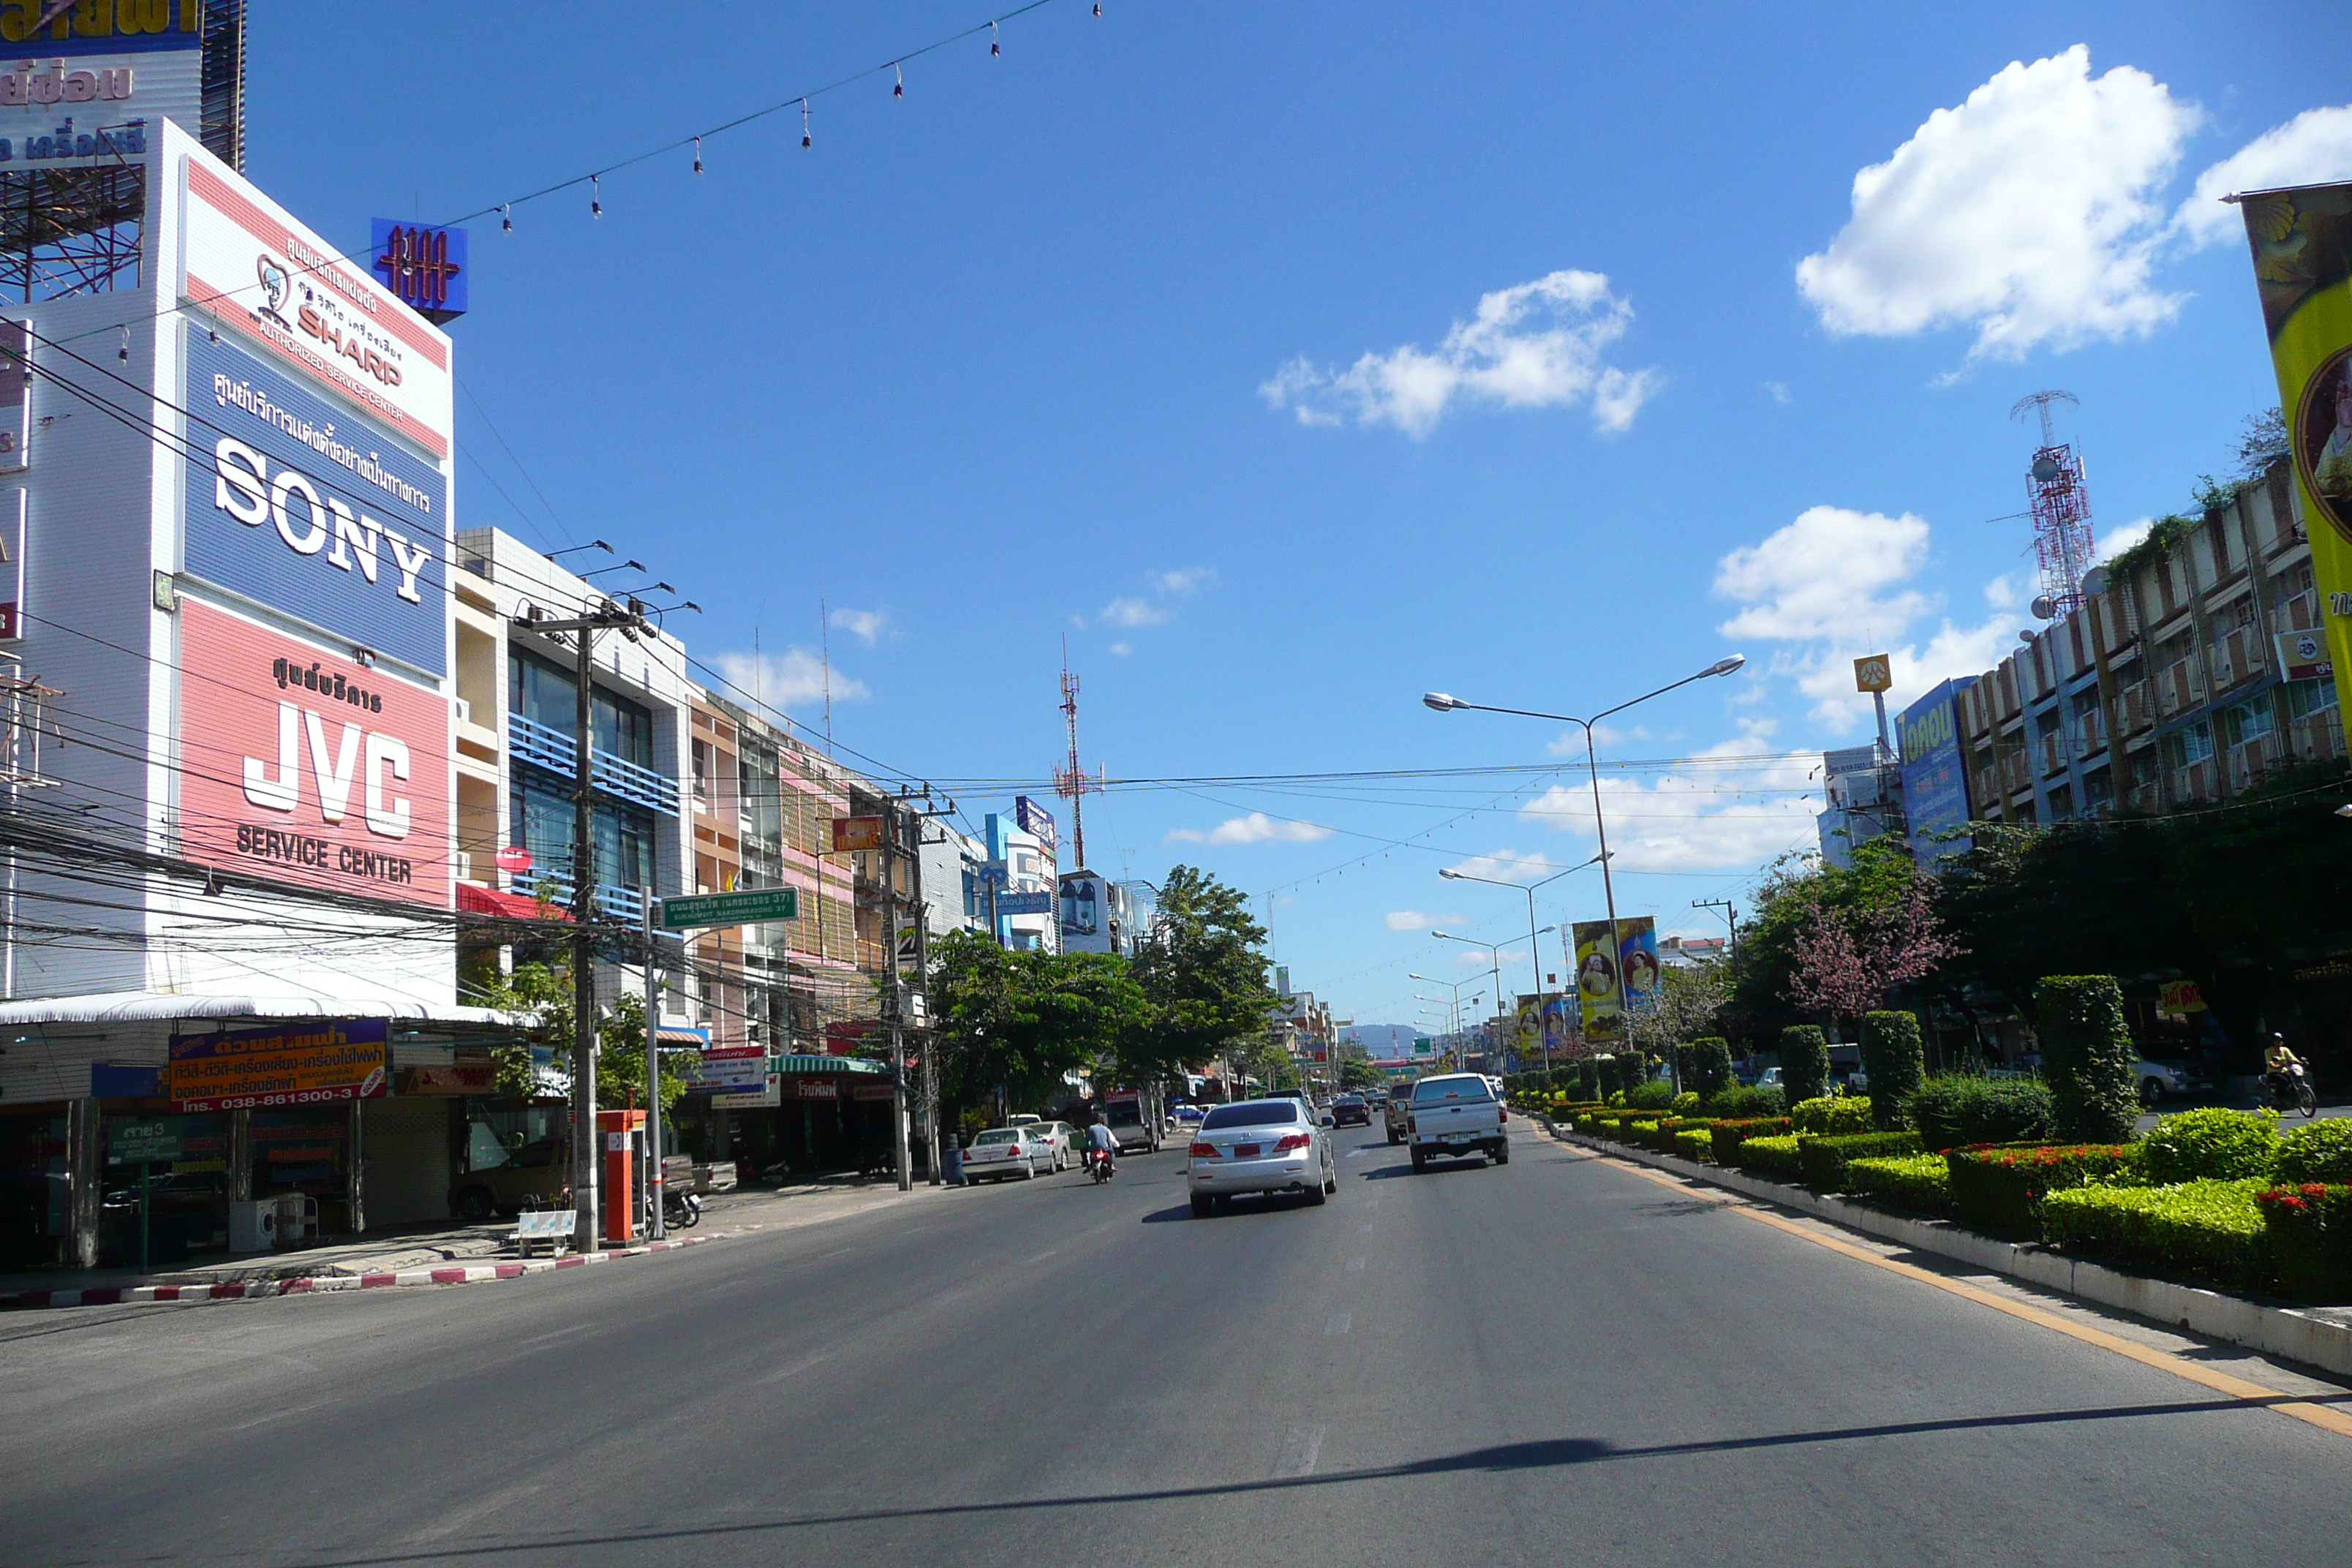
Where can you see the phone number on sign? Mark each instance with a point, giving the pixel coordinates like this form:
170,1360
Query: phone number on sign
262,1101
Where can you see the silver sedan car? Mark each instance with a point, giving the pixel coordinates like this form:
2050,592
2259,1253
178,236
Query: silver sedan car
1260,1146
1002,1151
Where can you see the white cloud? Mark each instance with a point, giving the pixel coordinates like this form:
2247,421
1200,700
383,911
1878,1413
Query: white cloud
2029,213
2314,148
1414,919
2003,594
1507,866
1257,828
1707,818
1133,613
1534,345
1826,575
1122,649
788,679
1780,392
866,626
2115,540
1178,584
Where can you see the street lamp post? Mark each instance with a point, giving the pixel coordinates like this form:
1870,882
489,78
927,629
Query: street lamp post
1494,958
1444,703
1453,985
1535,953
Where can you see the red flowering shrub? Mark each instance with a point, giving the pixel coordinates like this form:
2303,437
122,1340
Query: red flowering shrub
2309,1225
1999,1190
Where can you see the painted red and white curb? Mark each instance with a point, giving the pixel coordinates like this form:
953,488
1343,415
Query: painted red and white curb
256,1290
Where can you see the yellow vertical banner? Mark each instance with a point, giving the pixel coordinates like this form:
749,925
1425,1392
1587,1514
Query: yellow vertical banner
2302,244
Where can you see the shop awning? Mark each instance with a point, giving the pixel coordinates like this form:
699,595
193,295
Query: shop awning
475,900
679,1034
165,1006
809,1066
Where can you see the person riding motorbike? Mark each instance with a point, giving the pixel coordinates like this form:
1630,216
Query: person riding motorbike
1102,1144
2278,1069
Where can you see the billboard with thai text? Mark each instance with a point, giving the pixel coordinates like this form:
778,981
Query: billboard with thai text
312,1061
1935,775
251,267
299,504
302,767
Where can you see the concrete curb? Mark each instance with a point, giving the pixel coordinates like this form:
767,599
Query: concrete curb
256,1290
2288,1332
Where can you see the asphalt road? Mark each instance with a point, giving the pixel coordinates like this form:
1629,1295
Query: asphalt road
1555,1360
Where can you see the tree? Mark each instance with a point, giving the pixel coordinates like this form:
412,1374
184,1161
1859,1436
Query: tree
1023,1020
2086,1054
544,997
1356,1069
1689,1002
1858,937
1203,972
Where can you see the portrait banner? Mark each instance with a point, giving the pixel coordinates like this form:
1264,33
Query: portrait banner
1596,981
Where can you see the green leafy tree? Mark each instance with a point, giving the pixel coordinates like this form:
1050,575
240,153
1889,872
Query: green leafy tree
542,997
1021,1021
1891,1055
2086,1055
1202,974
1356,1069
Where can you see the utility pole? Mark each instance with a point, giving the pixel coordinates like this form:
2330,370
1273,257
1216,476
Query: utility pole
1731,917
608,615
894,816
660,1226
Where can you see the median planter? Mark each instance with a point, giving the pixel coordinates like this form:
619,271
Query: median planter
1729,1135
1696,1144
2210,1231
2308,1225
1921,1183
2000,1190
1774,1157
1822,1160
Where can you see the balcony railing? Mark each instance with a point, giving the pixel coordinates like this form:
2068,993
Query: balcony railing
544,747
612,902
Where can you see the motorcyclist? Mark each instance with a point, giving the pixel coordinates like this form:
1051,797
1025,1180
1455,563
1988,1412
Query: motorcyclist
2278,1067
1103,1144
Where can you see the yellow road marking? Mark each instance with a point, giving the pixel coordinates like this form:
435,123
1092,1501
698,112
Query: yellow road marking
2302,1407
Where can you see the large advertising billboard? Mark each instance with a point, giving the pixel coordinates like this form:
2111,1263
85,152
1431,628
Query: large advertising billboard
2302,244
1637,961
91,86
298,504
253,267
1934,775
1036,820
1596,981
302,767
315,1061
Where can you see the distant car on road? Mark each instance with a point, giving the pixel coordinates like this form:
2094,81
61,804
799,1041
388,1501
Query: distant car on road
1350,1111
1259,1146
1189,1115
1062,1138
2156,1080
1001,1152
1400,1108
1456,1114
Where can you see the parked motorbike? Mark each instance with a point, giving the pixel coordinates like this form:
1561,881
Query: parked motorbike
2290,1090
682,1210
1098,1166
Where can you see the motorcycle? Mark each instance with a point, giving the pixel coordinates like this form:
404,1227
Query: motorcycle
1098,1166
680,1210
2290,1090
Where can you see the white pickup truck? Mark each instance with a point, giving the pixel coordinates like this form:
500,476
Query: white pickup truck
1453,1115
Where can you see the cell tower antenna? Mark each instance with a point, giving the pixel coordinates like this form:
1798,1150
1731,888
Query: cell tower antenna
1071,781
2060,505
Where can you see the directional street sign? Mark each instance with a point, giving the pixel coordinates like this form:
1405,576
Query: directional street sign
749,907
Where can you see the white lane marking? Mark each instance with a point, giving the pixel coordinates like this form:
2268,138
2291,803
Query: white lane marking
1355,1266
797,1368
463,1519
1041,1256
574,1329
279,1416
1371,1203
1300,1446
1337,1323
1364,1230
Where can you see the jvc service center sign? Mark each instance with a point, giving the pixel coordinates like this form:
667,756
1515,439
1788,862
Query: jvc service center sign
305,507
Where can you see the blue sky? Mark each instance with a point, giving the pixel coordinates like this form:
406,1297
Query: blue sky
1162,333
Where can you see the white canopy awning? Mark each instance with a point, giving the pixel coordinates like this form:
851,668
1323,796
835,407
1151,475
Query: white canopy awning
164,1006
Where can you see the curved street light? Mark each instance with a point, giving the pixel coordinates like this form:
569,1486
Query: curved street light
1445,703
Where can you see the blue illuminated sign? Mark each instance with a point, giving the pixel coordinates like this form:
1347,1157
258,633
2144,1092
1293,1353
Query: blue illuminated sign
305,507
425,266
1935,777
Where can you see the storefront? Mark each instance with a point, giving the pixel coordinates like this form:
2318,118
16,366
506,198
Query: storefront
820,1115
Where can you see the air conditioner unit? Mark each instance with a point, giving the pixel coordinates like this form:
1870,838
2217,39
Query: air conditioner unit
465,710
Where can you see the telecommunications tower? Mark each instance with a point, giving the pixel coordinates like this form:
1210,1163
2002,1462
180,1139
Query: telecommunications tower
2061,509
1071,781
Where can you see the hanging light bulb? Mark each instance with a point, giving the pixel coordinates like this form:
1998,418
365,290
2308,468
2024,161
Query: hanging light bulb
897,88
1097,7
123,355
595,196
697,155
995,46
805,143
506,217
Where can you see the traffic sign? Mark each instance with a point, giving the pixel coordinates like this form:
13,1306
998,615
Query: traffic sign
749,906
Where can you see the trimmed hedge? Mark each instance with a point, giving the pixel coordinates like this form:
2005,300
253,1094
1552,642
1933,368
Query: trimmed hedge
1742,1099
1706,1064
1685,1103
2317,1151
1775,1156
2212,1145
1952,1112
2087,1055
1650,1094
1831,1117
2309,1227
1729,1135
1694,1144
1588,1080
1822,1160
2197,1230
1804,1062
2000,1190
1892,1057
1919,1182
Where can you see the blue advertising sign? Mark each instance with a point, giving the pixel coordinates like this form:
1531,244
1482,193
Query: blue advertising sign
1040,902
1035,820
425,266
1935,776
302,505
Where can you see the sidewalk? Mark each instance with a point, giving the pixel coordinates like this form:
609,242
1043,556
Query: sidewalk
451,1254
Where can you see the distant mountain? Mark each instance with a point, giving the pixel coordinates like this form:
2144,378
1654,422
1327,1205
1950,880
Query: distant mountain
1386,1042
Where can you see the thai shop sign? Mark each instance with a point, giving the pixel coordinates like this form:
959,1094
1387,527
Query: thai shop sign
2301,244
730,1069
314,1061
147,1141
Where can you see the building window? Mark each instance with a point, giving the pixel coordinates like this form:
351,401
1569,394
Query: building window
542,810
2251,721
537,689
2305,698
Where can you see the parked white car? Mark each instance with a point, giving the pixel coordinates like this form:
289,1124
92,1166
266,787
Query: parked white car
2156,1080
1063,1138
1259,1146
1001,1152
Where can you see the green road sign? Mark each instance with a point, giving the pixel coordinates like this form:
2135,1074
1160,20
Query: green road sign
142,1142
749,906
